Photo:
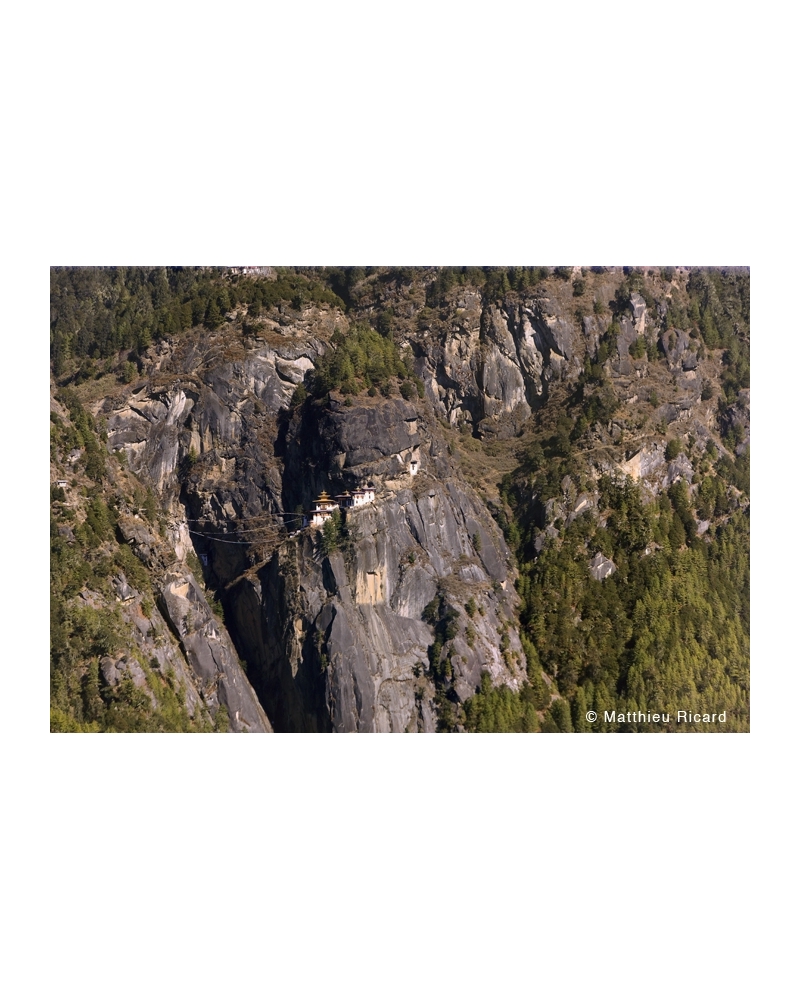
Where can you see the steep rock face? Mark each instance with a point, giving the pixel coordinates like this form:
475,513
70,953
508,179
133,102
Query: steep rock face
493,367
335,447
675,344
210,654
206,665
146,427
219,403
557,330
622,364
337,641
340,638
639,309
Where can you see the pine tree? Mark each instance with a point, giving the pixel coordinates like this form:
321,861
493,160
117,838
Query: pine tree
560,715
213,315
579,709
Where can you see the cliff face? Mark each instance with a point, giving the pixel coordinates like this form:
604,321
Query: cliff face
490,365
339,638
142,613
388,623
205,663
336,640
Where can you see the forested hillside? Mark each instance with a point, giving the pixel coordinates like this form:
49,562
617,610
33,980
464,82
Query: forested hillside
559,540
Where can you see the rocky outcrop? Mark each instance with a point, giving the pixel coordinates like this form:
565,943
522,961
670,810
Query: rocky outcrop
493,367
206,665
113,671
601,566
146,428
639,309
335,447
211,407
646,463
557,330
141,538
623,364
210,654
678,468
675,345
340,638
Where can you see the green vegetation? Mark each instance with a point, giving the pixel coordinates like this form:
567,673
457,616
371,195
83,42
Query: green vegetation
667,631
85,554
363,359
443,618
717,309
673,449
495,282
332,533
79,433
638,348
736,471
500,710
96,312
80,635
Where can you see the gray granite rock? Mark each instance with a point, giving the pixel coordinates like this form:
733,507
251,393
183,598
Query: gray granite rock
679,468
689,361
601,567
122,587
639,307
674,344
338,648
210,653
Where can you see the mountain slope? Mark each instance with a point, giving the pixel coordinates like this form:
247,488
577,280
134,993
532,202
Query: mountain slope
560,461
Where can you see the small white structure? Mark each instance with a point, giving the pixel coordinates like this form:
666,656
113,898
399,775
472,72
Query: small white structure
322,510
413,467
62,483
365,494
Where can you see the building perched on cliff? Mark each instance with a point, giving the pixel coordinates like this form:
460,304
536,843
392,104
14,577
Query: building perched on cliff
321,512
365,494
324,506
